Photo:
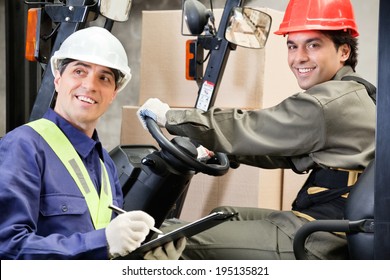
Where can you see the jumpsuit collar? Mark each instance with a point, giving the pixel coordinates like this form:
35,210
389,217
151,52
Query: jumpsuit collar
80,141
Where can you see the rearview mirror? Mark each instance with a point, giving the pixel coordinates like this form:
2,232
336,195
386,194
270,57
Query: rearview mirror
117,10
248,27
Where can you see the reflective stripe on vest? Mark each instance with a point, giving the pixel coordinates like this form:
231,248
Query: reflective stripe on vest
98,208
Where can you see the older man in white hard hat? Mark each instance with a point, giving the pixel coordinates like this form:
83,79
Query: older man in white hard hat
57,180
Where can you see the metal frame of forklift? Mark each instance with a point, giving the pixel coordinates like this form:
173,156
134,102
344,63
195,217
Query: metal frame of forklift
21,87
382,154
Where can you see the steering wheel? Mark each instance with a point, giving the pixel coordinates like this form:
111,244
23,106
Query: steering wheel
210,169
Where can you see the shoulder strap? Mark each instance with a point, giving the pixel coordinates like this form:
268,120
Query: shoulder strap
371,89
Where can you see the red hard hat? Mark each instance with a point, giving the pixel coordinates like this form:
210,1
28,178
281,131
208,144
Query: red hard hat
304,15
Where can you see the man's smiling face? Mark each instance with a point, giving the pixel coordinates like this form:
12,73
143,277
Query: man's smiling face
85,91
313,57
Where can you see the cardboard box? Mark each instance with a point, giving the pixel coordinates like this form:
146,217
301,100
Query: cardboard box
245,186
248,75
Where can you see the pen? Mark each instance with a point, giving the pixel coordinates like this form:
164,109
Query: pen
121,211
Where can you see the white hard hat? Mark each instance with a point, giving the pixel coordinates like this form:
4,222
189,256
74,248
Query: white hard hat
95,45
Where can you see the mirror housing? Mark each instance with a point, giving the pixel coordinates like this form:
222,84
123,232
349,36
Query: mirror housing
116,10
195,16
248,28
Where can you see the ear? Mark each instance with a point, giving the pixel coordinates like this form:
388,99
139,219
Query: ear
345,51
114,96
57,77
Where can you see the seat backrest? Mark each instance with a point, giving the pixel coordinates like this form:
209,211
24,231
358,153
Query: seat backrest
360,205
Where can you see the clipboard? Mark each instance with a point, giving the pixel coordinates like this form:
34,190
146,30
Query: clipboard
187,230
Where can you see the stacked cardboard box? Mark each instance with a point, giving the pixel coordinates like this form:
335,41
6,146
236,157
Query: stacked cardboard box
252,79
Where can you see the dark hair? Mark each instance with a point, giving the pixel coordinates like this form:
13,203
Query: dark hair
64,63
341,37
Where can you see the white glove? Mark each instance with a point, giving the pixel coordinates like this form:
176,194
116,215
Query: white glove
126,232
204,154
167,252
155,109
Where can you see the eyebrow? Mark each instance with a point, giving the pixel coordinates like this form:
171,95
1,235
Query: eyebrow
310,40
80,63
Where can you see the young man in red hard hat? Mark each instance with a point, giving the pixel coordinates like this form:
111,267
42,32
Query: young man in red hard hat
326,128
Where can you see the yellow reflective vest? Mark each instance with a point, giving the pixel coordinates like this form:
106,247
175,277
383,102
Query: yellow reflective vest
97,205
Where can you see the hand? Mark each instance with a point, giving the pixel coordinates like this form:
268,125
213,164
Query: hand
204,154
167,252
126,232
154,109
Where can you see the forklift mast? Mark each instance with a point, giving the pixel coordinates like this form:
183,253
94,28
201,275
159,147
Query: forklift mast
29,84
69,18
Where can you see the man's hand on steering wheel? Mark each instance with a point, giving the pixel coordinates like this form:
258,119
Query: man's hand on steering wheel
153,108
156,109
152,117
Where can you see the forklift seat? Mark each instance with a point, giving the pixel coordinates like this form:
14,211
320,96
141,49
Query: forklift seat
360,206
358,224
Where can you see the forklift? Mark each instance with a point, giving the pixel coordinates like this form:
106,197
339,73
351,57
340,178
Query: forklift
153,180
145,171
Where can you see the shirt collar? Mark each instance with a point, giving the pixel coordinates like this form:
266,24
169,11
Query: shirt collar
345,70
80,141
